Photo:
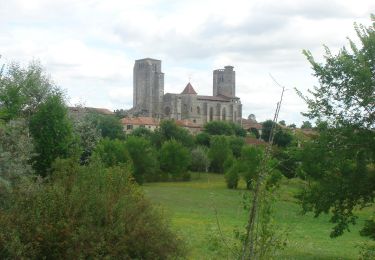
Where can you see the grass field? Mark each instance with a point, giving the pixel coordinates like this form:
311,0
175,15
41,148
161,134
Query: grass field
192,206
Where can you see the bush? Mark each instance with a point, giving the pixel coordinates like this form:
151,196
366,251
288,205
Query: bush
199,160
232,178
84,212
174,159
219,152
111,152
143,156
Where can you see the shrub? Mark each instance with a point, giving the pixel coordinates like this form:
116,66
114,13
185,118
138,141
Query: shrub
84,212
219,152
111,152
199,159
232,178
174,159
143,156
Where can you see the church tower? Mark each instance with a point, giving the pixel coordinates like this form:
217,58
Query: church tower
224,82
148,87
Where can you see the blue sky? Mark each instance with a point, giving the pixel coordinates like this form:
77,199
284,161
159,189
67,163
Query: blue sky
89,47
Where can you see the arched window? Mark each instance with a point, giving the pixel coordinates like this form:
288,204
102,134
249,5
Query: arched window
224,114
167,111
211,113
198,110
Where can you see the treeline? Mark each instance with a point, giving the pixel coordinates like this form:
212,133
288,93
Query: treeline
67,186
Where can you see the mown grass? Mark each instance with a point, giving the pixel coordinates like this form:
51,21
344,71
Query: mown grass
199,207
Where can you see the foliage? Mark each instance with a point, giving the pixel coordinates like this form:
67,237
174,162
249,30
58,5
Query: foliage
22,90
224,128
86,133
282,122
288,161
85,212
142,132
144,158
306,125
282,137
203,139
16,150
266,130
111,152
339,162
219,152
255,132
236,144
109,126
249,163
170,130
232,178
52,133
174,159
199,159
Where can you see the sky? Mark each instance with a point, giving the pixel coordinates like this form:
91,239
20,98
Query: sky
88,47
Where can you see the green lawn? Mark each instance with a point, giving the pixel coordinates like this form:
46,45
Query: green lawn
192,206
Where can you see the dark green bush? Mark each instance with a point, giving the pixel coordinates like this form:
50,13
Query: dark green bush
232,178
84,212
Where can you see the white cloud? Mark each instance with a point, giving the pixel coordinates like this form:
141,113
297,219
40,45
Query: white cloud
89,47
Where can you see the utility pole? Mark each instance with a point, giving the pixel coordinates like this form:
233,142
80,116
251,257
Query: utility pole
248,249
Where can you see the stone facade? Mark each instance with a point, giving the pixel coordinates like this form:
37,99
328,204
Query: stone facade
150,100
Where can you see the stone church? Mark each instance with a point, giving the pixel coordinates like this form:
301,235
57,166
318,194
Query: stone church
149,99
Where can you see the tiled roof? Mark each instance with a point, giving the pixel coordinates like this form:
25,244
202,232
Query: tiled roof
189,90
187,123
248,123
103,111
254,141
140,121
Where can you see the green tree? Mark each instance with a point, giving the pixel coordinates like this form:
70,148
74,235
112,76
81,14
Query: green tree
219,153
16,151
218,128
248,164
199,159
174,159
22,90
338,163
109,126
266,130
170,130
236,144
306,125
86,133
144,158
224,128
111,152
52,132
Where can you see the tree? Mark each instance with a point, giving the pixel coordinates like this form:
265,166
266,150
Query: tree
338,163
306,125
109,126
219,153
111,153
22,90
16,151
86,133
143,156
174,159
282,138
266,130
282,122
236,144
52,132
170,130
224,128
85,212
199,159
